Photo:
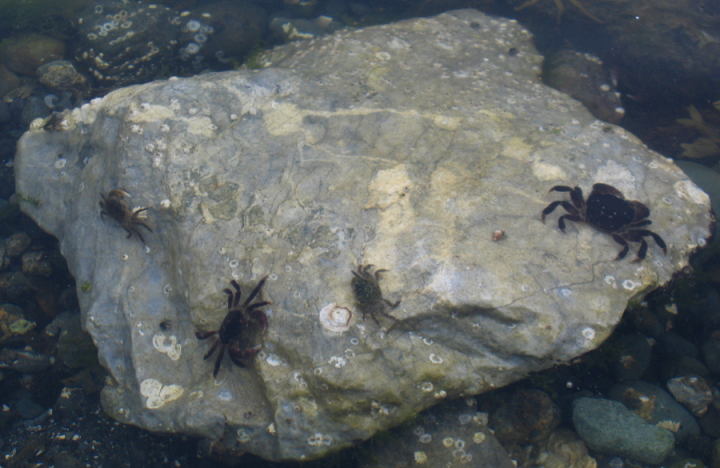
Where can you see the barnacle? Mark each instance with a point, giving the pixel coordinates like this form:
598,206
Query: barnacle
335,318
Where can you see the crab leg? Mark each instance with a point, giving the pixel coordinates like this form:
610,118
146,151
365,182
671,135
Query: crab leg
561,220
255,291
212,350
206,335
625,245
218,361
658,240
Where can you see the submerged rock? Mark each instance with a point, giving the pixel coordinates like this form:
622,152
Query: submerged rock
403,146
609,427
450,434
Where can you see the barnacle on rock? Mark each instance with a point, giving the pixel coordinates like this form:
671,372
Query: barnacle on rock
335,318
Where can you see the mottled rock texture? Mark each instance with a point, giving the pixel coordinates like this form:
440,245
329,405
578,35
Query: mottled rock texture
405,146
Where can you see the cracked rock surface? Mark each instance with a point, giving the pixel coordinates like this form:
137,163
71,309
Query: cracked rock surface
405,146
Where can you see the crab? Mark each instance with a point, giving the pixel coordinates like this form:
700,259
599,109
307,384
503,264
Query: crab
561,9
608,210
236,323
368,294
115,206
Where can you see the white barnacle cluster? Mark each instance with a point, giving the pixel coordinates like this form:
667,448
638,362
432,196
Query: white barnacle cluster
106,31
173,349
121,20
458,453
337,361
299,380
481,418
318,439
610,280
200,35
158,394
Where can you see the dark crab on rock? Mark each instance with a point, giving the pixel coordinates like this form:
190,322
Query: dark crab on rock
115,206
366,287
231,335
608,210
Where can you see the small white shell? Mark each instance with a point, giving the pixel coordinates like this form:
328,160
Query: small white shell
335,318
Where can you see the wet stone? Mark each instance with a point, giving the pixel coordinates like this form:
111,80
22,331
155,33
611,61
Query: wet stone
450,434
36,263
16,244
693,392
403,146
23,360
711,354
609,427
656,406
4,258
121,43
28,409
635,357
584,77
61,75
14,286
13,322
562,448
527,417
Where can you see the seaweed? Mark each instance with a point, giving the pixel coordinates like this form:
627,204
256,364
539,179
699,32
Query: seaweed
704,146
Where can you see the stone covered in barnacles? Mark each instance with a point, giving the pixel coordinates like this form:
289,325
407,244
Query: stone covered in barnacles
448,139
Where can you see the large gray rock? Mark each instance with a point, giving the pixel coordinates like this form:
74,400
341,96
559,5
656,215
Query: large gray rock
404,146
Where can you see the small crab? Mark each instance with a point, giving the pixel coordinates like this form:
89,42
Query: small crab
368,294
115,206
608,210
237,321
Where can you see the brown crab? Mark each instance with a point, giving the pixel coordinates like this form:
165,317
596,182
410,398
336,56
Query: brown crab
115,206
233,328
368,294
608,210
